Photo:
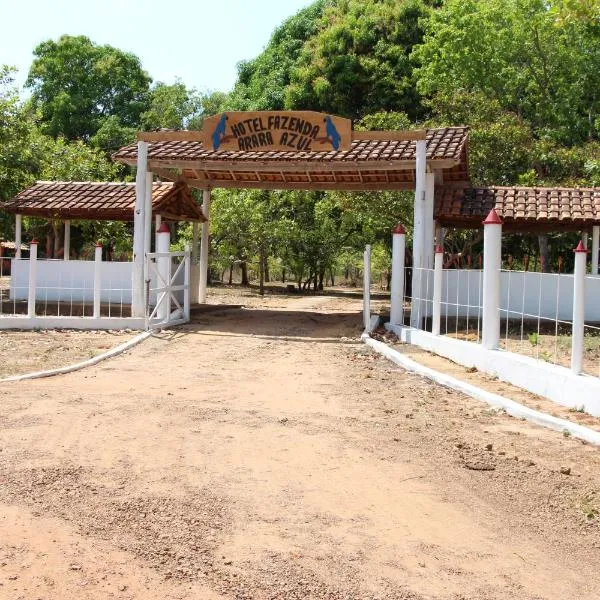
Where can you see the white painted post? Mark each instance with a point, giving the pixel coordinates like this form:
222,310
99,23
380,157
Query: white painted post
194,266
163,268
97,280
418,233
186,282
18,234
492,262
147,222
158,224
429,221
204,248
438,280
397,291
139,224
595,248
67,244
577,339
33,250
367,288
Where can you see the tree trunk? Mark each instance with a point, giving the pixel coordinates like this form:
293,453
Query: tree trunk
266,268
283,275
321,278
244,267
332,277
230,273
261,270
544,253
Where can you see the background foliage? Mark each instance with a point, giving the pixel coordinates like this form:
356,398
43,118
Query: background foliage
524,75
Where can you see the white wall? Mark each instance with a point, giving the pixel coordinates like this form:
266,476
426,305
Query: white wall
73,280
546,294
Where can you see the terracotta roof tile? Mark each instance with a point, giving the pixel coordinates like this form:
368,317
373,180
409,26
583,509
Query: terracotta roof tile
101,201
443,143
519,207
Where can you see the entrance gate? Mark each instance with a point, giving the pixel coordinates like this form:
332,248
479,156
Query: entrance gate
167,289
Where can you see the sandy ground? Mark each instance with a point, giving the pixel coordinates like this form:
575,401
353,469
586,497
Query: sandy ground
266,453
27,351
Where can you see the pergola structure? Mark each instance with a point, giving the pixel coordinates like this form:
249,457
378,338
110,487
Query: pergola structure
533,210
375,160
98,201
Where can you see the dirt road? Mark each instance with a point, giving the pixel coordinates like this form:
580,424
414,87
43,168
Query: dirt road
266,453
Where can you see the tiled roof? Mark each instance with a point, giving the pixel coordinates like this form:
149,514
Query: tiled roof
519,207
101,201
444,143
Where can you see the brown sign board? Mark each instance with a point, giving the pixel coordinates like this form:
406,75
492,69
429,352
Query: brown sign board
283,131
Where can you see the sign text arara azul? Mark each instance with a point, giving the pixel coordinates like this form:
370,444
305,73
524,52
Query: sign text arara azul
283,131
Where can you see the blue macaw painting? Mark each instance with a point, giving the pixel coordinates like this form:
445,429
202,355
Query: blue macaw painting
332,133
219,132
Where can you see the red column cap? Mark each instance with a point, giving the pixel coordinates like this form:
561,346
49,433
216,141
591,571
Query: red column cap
98,244
164,228
399,230
493,218
33,241
439,249
580,247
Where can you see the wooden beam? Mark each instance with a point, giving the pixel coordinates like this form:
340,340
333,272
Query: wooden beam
301,185
392,136
297,166
196,136
169,136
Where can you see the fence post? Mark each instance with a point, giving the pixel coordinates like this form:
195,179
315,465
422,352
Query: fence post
163,269
187,281
492,263
18,228
595,248
97,280
367,288
33,250
397,291
438,274
577,339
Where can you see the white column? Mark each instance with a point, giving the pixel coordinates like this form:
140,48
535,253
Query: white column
438,280
18,235
367,288
397,291
577,339
97,280
194,266
139,221
595,248
429,221
163,267
186,282
67,244
492,262
204,248
148,219
33,250
418,232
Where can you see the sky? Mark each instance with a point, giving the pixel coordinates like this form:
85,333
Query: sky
198,41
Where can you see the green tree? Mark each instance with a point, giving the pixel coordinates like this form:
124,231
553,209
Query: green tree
172,107
358,60
539,60
77,85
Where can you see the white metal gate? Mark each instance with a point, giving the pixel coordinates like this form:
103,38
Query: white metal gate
167,288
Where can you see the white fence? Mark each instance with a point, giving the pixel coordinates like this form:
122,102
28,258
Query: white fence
547,295
516,325
48,294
